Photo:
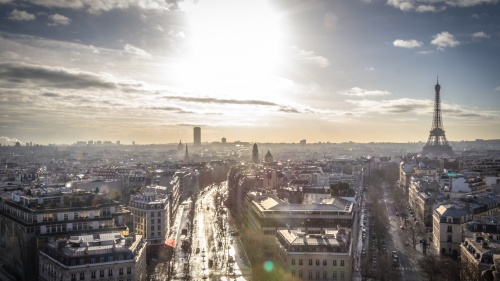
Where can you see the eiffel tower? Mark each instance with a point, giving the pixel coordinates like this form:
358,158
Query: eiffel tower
437,145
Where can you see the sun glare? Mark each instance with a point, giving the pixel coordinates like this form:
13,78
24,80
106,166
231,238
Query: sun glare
235,48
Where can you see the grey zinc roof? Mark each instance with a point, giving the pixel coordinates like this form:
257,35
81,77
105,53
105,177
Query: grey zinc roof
451,210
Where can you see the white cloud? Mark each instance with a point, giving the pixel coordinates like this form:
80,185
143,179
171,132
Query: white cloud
159,28
435,5
480,35
9,55
359,92
371,68
308,57
420,107
469,3
427,52
409,44
136,51
8,140
426,8
445,39
403,5
97,6
17,15
57,19
497,89
403,105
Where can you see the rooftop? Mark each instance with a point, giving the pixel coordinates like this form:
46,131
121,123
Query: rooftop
97,244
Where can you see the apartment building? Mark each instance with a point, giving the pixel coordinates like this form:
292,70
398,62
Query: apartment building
448,220
109,256
150,214
324,256
481,243
29,221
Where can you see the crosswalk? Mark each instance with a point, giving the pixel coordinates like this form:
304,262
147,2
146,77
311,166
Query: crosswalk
403,268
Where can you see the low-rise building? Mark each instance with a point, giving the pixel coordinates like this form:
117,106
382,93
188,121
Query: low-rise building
448,221
109,256
481,243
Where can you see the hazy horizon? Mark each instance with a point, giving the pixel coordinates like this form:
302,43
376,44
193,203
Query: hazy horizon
257,71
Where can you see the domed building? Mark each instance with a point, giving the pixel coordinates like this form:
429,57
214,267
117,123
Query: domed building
268,158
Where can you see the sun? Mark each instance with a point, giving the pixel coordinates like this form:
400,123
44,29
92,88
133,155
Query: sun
235,49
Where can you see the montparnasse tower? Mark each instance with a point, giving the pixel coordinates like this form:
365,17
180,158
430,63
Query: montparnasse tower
255,153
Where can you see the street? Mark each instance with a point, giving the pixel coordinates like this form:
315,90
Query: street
214,250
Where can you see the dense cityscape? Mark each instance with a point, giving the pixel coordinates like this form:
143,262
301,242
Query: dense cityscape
246,211
262,140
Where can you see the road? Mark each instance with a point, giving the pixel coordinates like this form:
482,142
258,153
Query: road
408,267
216,252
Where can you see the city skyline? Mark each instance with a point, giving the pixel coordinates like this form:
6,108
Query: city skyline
256,71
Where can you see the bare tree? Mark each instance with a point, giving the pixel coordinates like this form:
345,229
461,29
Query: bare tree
430,267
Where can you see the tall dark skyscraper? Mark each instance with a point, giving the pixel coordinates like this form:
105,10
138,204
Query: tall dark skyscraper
255,153
197,135
437,144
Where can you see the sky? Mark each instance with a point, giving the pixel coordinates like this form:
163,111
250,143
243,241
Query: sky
261,71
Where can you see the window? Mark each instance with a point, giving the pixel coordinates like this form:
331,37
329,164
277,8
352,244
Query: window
317,262
310,262
73,276
293,273
120,271
101,273
82,275
129,270
334,276
152,221
301,274
92,274
325,274
317,274
159,214
152,228
334,262
450,229
293,261
310,274
342,275
152,214
300,261
110,272
324,262
449,238
342,263
158,221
